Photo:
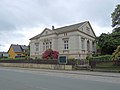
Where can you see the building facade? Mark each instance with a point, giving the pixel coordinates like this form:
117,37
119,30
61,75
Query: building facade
75,41
4,55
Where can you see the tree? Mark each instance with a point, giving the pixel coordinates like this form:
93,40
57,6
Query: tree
103,43
116,56
116,16
116,53
109,42
50,54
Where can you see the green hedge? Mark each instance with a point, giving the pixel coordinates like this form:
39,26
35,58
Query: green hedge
103,58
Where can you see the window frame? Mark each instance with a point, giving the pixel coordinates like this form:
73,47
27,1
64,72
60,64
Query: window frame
66,44
82,43
36,47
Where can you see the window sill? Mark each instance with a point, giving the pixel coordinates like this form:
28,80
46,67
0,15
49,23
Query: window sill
65,50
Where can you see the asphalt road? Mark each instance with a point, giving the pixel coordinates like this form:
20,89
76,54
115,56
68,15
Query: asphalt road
20,79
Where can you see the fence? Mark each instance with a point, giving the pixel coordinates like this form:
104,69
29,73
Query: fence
38,61
30,61
114,64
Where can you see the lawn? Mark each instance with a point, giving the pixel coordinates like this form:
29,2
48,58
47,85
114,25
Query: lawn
107,65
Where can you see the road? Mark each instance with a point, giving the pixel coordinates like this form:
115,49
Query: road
23,79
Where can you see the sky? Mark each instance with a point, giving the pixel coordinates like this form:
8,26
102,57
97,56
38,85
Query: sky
20,20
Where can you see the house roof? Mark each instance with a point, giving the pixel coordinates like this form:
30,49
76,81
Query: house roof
69,28
3,53
63,29
24,47
18,48
37,36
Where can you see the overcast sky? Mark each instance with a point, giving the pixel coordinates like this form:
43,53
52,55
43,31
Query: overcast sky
22,19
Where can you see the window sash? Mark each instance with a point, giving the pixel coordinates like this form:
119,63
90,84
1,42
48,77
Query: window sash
66,46
83,44
37,46
47,45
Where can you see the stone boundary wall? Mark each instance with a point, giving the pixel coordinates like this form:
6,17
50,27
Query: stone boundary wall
39,66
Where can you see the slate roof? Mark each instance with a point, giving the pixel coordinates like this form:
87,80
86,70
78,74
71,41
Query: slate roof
69,28
3,53
63,29
19,48
37,36
24,47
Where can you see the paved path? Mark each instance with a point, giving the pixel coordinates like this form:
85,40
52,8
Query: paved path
38,79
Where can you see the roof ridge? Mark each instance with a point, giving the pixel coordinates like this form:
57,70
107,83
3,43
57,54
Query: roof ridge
71,25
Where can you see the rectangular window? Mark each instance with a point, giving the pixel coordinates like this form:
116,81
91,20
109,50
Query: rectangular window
66,44
37,46
50,45
18,54
65,34
47,45
83,43
43,46
93,46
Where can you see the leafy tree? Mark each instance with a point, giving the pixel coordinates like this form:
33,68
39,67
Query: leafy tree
116,29
116,16
116,53
101,38
103,42
50,54
109,42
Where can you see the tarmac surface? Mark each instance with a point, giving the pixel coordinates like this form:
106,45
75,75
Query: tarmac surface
12,78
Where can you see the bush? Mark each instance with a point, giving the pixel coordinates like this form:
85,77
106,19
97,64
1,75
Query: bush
103,58
71,61
50,54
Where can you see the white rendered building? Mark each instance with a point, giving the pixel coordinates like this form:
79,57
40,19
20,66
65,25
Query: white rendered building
75,41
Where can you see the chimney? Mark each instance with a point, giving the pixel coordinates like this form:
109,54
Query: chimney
53,28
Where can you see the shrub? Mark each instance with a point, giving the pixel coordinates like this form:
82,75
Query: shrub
103,58
50,54
71,61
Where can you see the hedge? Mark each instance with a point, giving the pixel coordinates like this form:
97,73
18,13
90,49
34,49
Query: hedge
103,58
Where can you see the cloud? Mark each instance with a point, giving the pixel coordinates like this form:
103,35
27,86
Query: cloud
18,18
17,14
1,45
